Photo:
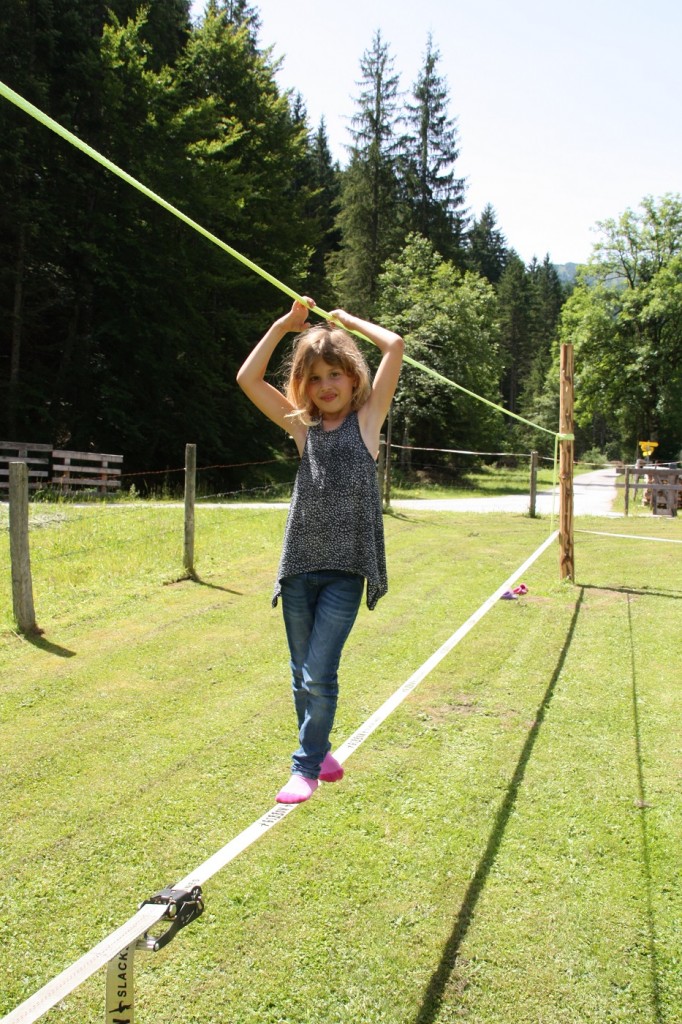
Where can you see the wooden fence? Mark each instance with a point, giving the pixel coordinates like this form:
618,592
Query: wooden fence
36,457
661,488
60,469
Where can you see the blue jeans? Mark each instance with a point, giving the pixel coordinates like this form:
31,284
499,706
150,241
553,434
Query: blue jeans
319,611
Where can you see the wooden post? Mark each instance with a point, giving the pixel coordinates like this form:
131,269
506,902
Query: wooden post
566,549
627,490
381,465
190,494
20,556
387,473
533,483
638,474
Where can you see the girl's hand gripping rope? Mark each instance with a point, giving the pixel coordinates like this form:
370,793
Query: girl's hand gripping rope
342,319
296,319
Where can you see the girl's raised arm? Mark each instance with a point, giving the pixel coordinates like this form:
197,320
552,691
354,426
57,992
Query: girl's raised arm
391,345
251,375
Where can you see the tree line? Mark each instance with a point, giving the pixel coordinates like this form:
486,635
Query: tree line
121,329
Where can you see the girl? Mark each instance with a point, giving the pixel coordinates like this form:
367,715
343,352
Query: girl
334,534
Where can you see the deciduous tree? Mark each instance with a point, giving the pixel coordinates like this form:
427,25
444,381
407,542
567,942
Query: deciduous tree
625,319
448,319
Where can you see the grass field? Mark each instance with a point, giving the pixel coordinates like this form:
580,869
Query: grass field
483,482
503,850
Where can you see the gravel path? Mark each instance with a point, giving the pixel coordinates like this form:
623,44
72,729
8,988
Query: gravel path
593,495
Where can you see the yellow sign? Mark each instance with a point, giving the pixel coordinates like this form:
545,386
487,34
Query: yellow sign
647,448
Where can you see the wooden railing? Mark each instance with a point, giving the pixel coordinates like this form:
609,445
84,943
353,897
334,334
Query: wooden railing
86,469
35,456
661,487
61,469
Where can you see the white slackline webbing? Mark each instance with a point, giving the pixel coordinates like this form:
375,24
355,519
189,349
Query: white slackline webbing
415,679
631,536
150,914
48,996
253,832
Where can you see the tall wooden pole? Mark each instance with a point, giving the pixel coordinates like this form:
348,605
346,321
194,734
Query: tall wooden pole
533,484
190,494
566,549
387,465
627,490
381,465
20,557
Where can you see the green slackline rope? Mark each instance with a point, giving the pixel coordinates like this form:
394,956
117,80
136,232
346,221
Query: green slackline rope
54,126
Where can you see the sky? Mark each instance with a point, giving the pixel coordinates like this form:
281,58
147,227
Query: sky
568,113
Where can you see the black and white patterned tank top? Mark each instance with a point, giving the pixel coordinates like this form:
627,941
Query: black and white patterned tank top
335,519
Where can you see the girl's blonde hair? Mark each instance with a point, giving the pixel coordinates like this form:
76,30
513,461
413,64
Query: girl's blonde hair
336,347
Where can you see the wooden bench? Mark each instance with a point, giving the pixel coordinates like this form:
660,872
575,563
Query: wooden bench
36,457
86,469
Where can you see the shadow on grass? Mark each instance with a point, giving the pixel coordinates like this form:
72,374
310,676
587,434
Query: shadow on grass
193,578
433,996
646,858
675,595
408,515
216,586
39,640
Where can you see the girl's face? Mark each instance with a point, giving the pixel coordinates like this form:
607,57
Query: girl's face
330,389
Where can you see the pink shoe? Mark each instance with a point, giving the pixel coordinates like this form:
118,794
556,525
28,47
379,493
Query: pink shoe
521,589
330,770
297,789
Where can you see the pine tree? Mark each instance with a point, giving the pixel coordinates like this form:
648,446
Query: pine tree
48,200
370,211
164,28
513,292
239,13
19,205
322,207
538,384
547,297
243,184
487,252
435,196
120,328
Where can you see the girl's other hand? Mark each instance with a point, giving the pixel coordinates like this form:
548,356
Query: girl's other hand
297,318
341,317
